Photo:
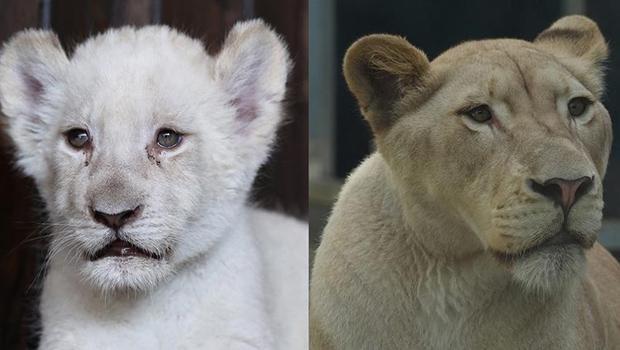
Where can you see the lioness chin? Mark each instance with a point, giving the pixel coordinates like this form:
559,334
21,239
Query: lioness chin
144,148
474,225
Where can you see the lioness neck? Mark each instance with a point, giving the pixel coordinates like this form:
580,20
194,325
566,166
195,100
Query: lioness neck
443,260
381,249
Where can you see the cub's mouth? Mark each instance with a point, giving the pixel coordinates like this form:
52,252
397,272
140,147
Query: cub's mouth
122,249
560,240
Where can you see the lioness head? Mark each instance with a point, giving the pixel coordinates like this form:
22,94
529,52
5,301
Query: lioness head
142,145
506,137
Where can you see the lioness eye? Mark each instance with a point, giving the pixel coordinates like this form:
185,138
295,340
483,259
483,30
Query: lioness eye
168,138
480,114
578,105
77,138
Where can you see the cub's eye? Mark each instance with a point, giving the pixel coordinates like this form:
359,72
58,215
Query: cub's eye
77,138
480,114
578,106
168,138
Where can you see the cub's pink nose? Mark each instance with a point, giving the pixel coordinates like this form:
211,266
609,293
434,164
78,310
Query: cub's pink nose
562,191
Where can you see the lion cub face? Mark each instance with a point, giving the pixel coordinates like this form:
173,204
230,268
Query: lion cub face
506,137
142,146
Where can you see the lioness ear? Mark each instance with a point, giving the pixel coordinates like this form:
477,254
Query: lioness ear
575,37
252,67
31,64
379,70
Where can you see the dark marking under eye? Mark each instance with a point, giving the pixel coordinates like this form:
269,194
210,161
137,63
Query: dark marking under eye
151,156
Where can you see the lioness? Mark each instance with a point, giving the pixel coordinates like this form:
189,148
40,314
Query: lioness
144,149
474,225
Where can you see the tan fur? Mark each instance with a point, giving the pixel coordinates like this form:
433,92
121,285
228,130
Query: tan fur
437,240
379,69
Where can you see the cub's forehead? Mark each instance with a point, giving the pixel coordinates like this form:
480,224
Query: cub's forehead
129,56
156,41
154,70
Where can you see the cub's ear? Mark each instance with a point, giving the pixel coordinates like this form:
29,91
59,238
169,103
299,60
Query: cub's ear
576,38
252,67
380,69
31,64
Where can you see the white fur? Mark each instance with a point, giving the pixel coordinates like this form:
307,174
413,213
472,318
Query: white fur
231,277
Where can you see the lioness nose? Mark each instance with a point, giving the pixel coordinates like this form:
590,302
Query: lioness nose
564,192
118,220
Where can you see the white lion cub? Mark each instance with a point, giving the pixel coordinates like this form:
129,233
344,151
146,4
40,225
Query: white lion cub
144,149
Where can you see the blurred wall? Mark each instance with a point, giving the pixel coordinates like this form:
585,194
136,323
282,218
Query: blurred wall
281,184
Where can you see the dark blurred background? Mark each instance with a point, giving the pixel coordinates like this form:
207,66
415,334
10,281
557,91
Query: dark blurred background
340,139
282,184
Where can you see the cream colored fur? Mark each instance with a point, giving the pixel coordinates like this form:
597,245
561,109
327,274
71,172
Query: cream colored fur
438,240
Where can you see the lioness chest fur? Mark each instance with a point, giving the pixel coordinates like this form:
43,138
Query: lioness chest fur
474,225
144,149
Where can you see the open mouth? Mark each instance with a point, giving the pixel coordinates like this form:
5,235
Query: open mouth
120,248
560,239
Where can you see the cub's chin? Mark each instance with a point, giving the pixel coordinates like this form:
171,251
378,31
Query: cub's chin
121,267
112,275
